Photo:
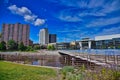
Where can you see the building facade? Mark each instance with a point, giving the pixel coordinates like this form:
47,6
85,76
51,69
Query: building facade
52,38
44,36
17,32
30,42
87,43
108,41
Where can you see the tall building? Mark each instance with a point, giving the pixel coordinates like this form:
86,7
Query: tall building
52,38
17,32
44,36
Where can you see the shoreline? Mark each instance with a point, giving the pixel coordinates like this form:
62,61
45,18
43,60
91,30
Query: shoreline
34,65
39,52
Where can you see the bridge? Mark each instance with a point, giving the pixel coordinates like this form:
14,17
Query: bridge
91,60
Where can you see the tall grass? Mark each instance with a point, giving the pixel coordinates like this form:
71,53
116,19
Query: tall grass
70,73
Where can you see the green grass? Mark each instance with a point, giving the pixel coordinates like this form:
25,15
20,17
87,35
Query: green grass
12,71
18,51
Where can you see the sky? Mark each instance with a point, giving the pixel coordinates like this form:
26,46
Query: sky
69,19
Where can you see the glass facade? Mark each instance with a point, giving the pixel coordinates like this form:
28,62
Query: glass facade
108,44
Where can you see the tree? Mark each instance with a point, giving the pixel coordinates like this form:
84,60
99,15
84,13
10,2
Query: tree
12,45
50,47
2,46
21,47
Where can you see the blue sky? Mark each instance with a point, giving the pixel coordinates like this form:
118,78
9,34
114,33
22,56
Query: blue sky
69,19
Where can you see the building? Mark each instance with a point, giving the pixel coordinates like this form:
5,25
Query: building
17,32
101,42
87,43
74,45
108,41
61,45
30,42
44,36
52,38
0,36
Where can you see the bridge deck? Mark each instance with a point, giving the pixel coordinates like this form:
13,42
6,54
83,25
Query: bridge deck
98,59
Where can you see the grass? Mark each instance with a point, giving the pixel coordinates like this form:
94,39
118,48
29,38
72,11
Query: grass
12,71
18,51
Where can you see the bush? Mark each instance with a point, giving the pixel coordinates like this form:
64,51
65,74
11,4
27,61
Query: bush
29,48
69,73
36,47
67,69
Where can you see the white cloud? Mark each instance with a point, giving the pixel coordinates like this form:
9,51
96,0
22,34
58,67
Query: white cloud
80,3
27,15
69,31
20,11
104,22
83,14
91,8
39,22
69,18
67,15
24,11
113,30
30,18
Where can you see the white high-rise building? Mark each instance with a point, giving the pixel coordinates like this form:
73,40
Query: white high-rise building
44,36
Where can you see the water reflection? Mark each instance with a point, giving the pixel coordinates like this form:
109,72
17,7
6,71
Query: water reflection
46,60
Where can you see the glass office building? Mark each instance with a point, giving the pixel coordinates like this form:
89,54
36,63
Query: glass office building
108,42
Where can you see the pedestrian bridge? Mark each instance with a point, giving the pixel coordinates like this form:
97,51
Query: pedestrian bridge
91,59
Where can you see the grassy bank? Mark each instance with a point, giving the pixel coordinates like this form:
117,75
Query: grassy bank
11,71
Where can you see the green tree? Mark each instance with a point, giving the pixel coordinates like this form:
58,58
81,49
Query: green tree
12,45
2,46
50,47
21,47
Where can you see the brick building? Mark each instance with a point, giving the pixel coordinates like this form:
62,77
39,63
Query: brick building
17,32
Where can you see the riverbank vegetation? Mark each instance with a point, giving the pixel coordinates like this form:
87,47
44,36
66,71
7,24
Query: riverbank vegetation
12,71
69,73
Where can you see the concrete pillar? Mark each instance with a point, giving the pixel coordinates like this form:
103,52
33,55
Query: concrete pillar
89,44
80,43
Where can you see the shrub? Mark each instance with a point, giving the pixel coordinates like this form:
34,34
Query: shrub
70,73
29,48
66,71
36,47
